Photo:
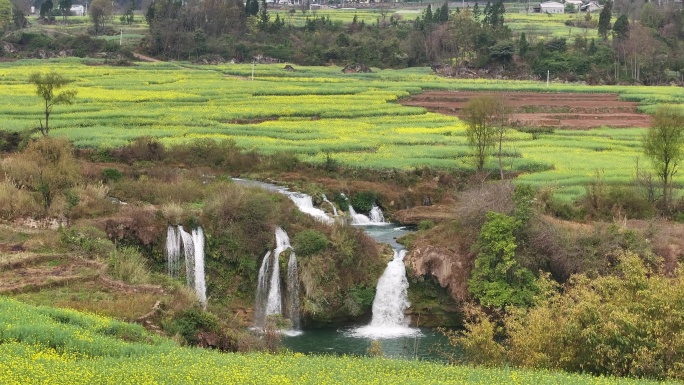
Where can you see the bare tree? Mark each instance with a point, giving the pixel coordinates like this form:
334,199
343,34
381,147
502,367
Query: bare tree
45,88
486,118
664,145
100,12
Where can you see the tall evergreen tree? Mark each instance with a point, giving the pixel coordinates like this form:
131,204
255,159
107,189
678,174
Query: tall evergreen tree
604,19
523,45
252,7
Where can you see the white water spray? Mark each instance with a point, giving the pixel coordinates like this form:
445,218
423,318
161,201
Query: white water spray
191,248
200,283
376,217
305,204
173,252
390,303
269,298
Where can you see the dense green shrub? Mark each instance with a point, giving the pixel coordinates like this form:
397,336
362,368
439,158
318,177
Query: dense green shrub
309,242
189,322
627,324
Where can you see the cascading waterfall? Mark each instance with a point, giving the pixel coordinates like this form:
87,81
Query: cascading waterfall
200,283
305,204
391,300
269,299
189,253
173,251
376,217
191,247
325,199
262,291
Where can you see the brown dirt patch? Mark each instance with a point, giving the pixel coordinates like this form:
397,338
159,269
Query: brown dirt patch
538,109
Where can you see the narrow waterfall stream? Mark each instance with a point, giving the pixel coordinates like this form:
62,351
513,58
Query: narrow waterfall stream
190,246
390,303
269,297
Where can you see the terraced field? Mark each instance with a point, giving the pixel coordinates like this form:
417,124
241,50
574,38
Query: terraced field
319,112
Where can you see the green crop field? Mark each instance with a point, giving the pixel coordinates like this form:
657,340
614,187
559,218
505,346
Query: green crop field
42,345
314,112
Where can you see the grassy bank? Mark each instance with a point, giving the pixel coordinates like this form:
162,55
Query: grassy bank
47,345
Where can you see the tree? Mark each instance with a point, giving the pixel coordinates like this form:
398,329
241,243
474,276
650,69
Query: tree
65,8
5,15
604,19
482,115
46,8
46,166
100,11
252,7
263,16
498,280
621,27
523,45
663,144
45,88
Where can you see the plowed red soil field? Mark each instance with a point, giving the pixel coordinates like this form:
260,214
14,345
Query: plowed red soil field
538,109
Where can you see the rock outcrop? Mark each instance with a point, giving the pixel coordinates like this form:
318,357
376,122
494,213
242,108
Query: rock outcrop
449,266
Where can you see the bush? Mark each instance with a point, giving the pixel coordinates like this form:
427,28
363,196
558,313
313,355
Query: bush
188,323
128,265
309,242
87,240
363,201
628,324
17,203
111,175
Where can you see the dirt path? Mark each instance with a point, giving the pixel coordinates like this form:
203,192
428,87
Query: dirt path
145,58
537,109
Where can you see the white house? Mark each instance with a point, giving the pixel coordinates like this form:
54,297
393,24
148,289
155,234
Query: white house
77,10
592,6
575,3
552,7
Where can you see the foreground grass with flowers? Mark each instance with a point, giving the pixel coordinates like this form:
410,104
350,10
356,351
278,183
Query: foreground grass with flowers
42,345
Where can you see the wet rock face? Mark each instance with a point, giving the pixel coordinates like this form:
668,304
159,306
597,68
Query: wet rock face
450,268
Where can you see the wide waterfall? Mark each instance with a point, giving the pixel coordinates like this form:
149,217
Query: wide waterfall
191,247
376,217
269,298
391,300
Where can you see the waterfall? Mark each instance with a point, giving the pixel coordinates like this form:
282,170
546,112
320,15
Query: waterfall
200,283
325,199
191,247
358,219
189,253
262,291
269,299
173,251
305,204
293,291
376,215
391,300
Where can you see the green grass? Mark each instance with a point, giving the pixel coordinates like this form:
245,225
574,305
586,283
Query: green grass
316,111
50,346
